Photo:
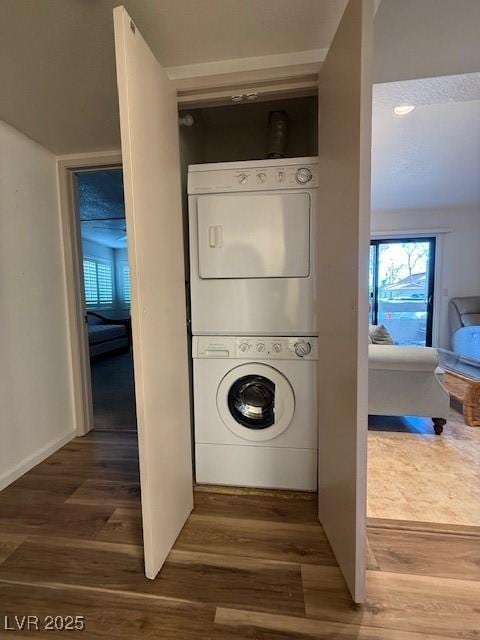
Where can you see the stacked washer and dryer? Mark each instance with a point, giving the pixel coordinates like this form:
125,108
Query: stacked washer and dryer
253,314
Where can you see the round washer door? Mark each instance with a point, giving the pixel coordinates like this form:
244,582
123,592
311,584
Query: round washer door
255,401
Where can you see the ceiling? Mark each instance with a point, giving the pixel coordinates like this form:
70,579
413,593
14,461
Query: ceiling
429,158
182,32
102,207
426,38
111,234
57,63
57,73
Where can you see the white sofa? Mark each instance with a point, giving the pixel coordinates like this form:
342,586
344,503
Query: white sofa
465,325
406,381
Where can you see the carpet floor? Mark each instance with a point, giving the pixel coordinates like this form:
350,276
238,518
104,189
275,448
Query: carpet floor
113,393
415,475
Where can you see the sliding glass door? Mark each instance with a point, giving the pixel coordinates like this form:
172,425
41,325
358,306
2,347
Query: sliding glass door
402,288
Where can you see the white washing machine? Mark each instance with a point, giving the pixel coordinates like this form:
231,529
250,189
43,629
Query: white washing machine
252,247
255,407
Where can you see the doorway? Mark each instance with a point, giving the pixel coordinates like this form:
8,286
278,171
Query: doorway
401,288
106,293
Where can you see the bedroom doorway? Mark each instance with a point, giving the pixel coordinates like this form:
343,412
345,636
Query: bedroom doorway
106,295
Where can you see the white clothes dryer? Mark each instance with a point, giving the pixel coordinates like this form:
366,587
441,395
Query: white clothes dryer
255,408
252,247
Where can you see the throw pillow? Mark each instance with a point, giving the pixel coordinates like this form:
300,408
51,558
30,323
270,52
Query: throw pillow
379,334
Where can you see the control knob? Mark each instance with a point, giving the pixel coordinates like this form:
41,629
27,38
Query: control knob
260,347
277,347
302,348
303,175
261,177
244,346
242,178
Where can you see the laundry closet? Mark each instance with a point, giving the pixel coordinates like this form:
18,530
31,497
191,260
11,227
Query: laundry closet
252,290
330,198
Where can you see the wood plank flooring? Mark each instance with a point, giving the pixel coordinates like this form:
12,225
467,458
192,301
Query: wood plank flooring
248,564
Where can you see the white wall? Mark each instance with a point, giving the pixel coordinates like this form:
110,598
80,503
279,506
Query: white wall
36,411
96,250
459,251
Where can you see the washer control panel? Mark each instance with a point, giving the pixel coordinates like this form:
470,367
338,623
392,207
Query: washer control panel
255,347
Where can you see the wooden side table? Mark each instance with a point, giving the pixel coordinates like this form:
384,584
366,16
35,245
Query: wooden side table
467,392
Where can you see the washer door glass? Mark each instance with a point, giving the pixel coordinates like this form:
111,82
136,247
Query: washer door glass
255,401
251,401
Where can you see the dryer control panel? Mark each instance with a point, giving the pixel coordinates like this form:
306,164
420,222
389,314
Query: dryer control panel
266,175
255,347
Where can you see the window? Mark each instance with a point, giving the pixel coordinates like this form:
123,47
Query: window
90,282
402,288
126,289
98,282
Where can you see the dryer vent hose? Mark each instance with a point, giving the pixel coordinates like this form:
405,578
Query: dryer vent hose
277,134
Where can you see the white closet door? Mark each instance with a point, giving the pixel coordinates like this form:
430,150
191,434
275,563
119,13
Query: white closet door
150,152
344,201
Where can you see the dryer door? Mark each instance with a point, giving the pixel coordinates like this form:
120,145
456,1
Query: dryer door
254,235
256,402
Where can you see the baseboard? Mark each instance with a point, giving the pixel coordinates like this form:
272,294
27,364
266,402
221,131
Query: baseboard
35,458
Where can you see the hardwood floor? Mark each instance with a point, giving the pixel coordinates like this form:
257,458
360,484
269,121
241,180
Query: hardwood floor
247,565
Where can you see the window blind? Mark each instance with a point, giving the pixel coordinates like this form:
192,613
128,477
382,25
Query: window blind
98,283
127,292
105,283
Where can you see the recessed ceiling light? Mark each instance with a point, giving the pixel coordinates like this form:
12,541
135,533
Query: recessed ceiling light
403,109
